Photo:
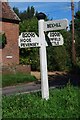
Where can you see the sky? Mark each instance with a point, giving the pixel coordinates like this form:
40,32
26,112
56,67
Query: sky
54,10
42,0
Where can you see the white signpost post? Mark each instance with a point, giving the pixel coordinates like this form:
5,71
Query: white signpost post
43,58
55,38
30,39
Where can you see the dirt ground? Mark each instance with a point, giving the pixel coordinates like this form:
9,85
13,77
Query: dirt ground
57,78
37,74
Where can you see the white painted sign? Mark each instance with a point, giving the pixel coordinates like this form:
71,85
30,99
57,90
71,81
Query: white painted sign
56,38
28,39
9,56
55,25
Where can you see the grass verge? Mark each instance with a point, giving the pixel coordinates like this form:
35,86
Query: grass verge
13,79
63,103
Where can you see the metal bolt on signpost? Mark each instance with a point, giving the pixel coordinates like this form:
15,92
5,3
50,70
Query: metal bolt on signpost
43,57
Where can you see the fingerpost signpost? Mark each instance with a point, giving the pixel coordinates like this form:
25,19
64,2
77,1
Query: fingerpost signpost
30,39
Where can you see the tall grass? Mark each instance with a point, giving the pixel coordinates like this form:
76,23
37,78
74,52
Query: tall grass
13,79
63,103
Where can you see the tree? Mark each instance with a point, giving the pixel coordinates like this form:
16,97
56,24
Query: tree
26,14
59,58
16,10
23,15
30,55
76,22
77,36
30,25
32,11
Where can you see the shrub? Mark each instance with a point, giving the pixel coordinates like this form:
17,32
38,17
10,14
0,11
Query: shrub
2,40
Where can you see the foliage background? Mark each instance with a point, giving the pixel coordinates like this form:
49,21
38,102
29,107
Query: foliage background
3,41
58,58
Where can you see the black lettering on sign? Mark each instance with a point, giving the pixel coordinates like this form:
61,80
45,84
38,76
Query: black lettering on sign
59,39
53,25
55,43
25,40
58,25
21,40
53,34
22,44
54,39
28,34
29,44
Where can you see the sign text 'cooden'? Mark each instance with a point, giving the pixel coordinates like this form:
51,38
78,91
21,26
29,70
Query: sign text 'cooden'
28,34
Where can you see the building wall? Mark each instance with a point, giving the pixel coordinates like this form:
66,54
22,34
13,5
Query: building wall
10,54
16,69
0,49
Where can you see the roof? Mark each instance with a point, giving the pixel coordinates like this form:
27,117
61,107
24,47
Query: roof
7,13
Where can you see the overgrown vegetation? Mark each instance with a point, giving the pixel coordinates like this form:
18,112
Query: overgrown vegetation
14,79
63,103
3,41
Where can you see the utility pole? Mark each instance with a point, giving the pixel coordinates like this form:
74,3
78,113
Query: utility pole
73,37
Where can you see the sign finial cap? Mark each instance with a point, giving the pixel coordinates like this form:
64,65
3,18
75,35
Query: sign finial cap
41,16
